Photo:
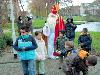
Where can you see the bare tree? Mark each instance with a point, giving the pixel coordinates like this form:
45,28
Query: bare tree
39,8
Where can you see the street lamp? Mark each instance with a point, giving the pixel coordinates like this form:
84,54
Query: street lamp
46,9
13,29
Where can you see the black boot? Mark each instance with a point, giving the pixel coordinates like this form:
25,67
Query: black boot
15,56
59,67
41,74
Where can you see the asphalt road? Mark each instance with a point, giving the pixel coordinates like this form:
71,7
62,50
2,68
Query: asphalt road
10,66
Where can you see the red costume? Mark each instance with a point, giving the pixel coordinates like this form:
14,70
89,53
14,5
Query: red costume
59,26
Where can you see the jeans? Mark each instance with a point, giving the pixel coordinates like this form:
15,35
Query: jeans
28,67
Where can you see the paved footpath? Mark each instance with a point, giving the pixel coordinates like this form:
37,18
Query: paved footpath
10,66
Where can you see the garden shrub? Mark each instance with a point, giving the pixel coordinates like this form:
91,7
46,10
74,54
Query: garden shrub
5,40
2,41
8,38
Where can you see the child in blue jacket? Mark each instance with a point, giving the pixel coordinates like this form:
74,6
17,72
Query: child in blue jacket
25,45
85,40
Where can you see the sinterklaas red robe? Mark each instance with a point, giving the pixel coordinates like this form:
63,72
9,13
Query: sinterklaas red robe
59,26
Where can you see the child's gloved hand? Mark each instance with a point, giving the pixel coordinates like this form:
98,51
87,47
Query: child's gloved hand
23,48
59,52
56,53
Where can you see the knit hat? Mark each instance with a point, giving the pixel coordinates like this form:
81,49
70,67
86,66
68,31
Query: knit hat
70,19
85,30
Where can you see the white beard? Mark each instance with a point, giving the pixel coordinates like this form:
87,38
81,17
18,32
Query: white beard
51,21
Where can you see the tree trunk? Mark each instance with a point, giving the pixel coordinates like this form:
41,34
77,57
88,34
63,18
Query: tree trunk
0,16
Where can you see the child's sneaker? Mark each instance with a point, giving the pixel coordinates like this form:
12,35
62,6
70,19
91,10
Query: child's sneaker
15,56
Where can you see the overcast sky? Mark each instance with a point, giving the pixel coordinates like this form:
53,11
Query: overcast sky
78,2
75,2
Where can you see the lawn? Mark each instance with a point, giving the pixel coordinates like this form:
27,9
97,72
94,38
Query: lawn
76,18
39,23
79,18
79,23
95,40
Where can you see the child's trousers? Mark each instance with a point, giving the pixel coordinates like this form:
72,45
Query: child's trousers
40,67
28,67
60,61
